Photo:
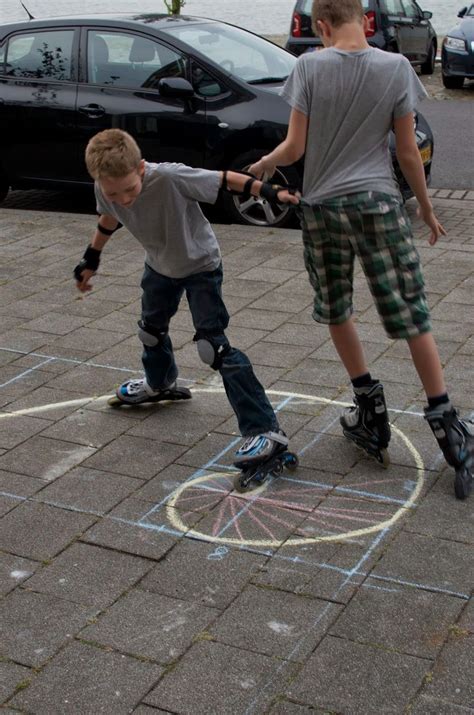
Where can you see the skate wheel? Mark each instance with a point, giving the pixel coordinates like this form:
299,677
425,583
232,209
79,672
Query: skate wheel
241,484
291,461
463,483
277,469
114,401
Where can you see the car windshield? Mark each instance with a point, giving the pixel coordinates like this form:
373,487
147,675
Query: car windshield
307,5
470,11
237,51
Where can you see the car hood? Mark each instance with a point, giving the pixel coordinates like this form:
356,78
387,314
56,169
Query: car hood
272,88
465,29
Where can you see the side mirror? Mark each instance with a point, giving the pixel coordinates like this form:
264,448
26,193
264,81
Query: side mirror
175,87
427,15
462,12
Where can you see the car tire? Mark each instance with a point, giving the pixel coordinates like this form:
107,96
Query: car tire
428,66
257,212
453,82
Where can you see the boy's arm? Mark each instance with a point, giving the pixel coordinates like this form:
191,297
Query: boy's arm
410,162
248,186
290,150
89,263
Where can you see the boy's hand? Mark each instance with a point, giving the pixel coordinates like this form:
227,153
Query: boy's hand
285,197
261,169
86,268
427,215
85,285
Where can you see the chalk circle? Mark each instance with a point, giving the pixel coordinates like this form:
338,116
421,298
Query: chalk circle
175,519
173,514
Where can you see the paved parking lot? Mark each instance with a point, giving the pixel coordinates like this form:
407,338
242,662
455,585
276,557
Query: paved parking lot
134,579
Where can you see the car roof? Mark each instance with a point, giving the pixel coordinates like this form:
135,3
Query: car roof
152,21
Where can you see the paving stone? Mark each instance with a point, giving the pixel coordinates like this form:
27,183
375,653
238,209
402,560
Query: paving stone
433,563
283,625
88,490
12,675
39,531
406,620
352,678
135,456
84,679
92,429
89,575
18,485
284,707
123,530
152,626
434,706
146,710
18,428
206,573
44,458
175,423
452,676
14,570
215,678
441,516
35,626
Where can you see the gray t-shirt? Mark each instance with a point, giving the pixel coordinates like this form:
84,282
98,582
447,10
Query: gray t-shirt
351,100
167,220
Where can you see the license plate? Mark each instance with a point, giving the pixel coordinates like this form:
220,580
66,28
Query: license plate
425,154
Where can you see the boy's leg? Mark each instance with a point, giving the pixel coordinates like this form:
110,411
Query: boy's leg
425,357
160,300
246,395
349,348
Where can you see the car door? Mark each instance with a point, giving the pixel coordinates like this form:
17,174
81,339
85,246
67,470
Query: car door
38,90
119,88
398,25
418,30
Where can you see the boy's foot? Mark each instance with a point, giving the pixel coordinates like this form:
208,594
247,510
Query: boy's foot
261,456
135,392
366,422
456,439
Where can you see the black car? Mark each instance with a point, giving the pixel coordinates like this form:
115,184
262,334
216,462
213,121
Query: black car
394,25
189,90
457,54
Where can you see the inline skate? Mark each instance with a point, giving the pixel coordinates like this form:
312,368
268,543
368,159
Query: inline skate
456,439
136,392
262,456
366,422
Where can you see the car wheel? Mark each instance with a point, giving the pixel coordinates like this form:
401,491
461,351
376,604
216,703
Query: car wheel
453,82
429,65
256,211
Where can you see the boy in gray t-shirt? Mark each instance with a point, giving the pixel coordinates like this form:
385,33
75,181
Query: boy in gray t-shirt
158,204
345,100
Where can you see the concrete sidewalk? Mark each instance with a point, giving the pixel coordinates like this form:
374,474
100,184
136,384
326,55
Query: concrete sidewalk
133,577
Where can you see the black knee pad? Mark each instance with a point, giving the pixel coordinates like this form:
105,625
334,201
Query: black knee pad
151,336
210,350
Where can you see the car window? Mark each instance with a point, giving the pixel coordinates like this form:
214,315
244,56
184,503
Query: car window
236,51
40,55
204,83
393,7
470,12
126,60
411,10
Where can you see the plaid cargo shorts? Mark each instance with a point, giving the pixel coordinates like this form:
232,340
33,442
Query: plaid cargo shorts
375,227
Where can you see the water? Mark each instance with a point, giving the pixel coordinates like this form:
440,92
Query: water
265,17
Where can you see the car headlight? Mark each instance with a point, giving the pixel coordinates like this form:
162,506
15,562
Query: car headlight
454,43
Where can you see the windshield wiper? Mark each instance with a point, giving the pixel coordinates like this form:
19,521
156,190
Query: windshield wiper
267,80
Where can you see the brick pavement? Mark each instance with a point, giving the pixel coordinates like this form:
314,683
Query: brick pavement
134,579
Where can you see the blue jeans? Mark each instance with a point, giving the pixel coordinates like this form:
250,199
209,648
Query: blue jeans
160,301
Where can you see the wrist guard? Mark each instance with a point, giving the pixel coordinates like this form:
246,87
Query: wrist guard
90,261
270,191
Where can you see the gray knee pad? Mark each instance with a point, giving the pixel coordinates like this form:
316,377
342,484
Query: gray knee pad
210,351
150,336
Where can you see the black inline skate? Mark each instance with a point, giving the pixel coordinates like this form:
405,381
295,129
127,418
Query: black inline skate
366,422
261,456
136,392
456,439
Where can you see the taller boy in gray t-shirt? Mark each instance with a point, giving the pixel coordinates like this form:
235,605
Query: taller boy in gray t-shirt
345,100
158,204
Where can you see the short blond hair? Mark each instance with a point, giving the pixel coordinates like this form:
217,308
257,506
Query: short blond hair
336,12
112,153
